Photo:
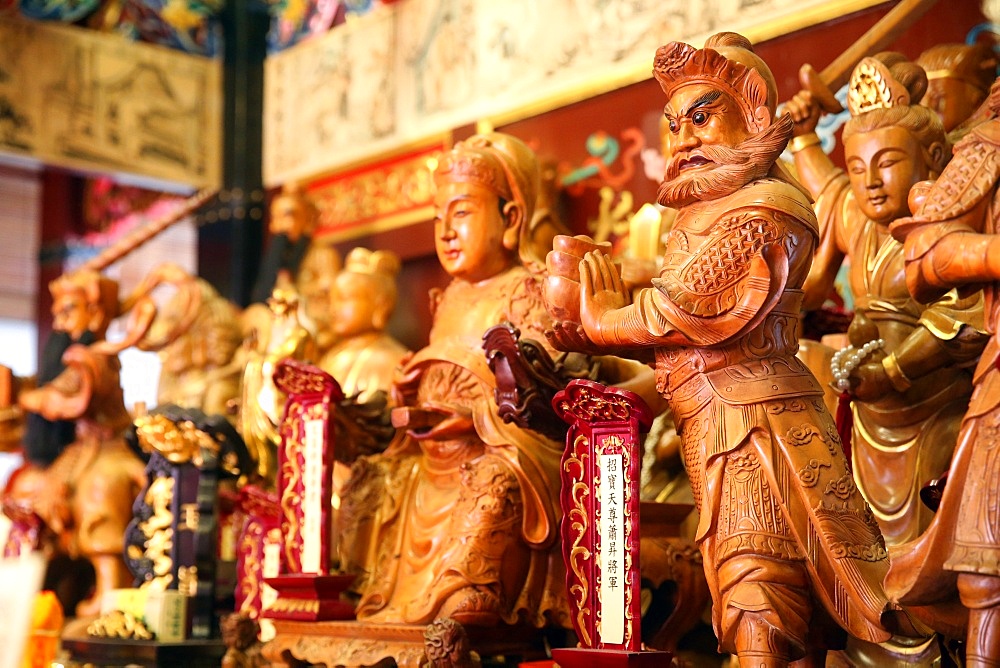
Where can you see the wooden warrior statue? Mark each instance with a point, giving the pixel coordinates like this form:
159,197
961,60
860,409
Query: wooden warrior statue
792,552
953,240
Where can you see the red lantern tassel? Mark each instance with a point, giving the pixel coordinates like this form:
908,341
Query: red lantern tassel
845,424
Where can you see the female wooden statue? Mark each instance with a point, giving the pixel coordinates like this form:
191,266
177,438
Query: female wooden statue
910,392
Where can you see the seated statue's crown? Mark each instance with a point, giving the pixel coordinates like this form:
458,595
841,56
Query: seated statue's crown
727,62
499,162
363,261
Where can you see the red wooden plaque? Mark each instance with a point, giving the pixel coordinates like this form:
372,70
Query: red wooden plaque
600,527
306,590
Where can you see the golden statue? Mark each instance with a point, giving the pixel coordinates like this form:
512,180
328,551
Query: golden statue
314,283
465,522
793,555
908,371
954,241
365,359
263,404
198,369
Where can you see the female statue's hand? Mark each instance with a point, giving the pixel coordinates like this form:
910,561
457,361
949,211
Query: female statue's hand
805,112
870,383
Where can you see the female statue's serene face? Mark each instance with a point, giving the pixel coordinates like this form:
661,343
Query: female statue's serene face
883,165
469,232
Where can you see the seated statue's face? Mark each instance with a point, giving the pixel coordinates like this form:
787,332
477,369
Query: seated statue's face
469,232
883,165
354,302
289,216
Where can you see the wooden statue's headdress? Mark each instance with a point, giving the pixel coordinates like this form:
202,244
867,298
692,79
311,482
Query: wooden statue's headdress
728,63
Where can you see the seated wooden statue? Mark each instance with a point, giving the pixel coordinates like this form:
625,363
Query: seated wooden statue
793,554
465,522
365,357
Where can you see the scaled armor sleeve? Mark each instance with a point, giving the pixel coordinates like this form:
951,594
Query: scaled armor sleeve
944,247
713,287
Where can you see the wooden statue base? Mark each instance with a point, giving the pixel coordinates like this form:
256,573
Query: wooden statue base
579,657
309,598
352,643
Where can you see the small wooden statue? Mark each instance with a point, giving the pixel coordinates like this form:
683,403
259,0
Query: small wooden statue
291,225
363,296
314,282
793,554
907,370
263,403
954,241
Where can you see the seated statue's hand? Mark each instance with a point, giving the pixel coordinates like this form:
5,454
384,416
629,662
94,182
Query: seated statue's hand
405,383
31,400
434,422
869,382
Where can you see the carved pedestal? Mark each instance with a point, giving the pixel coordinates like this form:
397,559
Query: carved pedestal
600,527
310,598
442,643
580,657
